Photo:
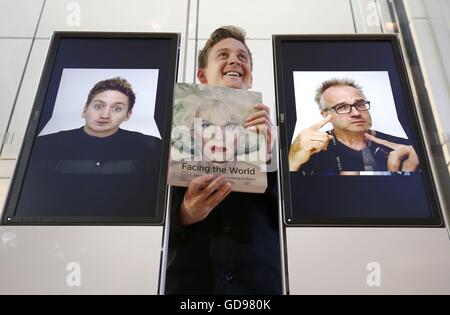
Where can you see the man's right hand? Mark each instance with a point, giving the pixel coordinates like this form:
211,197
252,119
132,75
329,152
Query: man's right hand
310,141
203,195
402,158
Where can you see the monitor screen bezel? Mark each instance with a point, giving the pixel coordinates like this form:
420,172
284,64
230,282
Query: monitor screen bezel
9,218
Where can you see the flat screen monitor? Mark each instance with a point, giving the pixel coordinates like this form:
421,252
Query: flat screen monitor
352,149
96,146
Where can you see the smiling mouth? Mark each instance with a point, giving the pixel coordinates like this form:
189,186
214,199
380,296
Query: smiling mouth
233,74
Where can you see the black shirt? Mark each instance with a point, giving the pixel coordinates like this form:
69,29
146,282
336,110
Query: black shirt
235,250
338,157
74,174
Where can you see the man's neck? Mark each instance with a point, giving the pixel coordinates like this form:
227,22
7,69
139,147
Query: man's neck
95,134
355,140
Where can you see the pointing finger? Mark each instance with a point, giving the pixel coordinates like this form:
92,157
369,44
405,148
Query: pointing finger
322,123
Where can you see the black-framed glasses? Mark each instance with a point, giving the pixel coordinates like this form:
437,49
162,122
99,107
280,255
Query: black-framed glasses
344,108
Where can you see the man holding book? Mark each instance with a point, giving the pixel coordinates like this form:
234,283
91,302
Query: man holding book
223,242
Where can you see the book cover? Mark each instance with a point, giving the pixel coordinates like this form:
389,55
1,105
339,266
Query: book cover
209,137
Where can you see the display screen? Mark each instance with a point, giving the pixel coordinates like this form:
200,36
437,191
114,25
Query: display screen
351,148
99,133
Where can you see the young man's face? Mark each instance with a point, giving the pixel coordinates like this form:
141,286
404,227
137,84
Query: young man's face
105,113
228,65
355,121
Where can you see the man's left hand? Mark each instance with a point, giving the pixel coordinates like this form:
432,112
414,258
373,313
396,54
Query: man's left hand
402,157
261,122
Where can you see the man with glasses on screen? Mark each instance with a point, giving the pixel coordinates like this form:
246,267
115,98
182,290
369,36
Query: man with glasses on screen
99,169
351,146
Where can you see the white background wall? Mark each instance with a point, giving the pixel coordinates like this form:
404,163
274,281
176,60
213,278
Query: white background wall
26,27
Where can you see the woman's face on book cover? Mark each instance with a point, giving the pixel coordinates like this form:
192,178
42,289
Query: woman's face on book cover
217,136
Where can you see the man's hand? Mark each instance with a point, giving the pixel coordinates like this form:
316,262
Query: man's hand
402,157
261,122
310,141
203,195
